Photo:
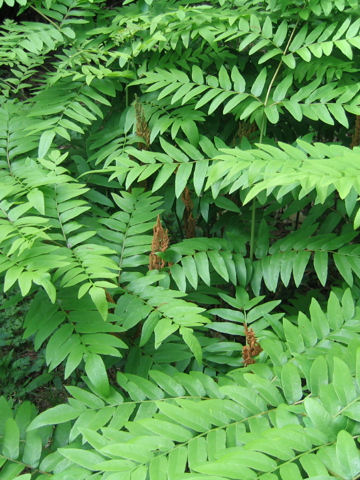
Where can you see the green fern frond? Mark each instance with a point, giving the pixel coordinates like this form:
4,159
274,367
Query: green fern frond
73,330
250,422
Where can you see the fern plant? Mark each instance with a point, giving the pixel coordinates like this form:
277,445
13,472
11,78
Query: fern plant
283,418
178,203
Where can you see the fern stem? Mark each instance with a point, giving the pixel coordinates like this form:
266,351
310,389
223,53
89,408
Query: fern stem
280,63
261,136
179,225
252,231
45,17
8,152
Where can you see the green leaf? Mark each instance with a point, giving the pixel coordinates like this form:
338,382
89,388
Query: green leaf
177,462
80,238
158,468
304,53
64,122
178,275
74,359
85,397
218,100
259,83
32,449
320,418
282,88
82,457
269,54
200,172
343,382
291,383
299,38
338,112
294,109
167,429
164,174
300,261
148,327
267,28
45,142
357,220
191,131
11,439
190,270
36,198
183,417
209,95
25,281
318,374
218,263
96,371
290,471
11,470
321,266
54,416
348,454
98,296
163,329
182,176
345,48
234,470
266,389
251,107
192,342
280,34
234,102
167,383
197,75
197,452
344,267
272,113
289,60
148,389
11,276
238,80
294,340
224,79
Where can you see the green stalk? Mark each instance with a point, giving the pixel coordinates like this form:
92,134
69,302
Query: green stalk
252,229
262,131
253,205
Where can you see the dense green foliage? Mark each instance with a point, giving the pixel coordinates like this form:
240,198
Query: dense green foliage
231,121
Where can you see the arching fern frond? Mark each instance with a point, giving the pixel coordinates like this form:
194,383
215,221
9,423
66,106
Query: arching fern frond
229,88
196,428
318,167
126,230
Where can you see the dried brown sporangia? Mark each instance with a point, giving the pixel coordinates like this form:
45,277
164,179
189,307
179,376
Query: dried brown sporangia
252,347
142,128
245,129
355,141
160,243
189,220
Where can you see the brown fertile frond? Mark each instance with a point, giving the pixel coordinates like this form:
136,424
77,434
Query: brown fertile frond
109,297
252,347
142,128
186,198
189,220
159,243
245,129
355,141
